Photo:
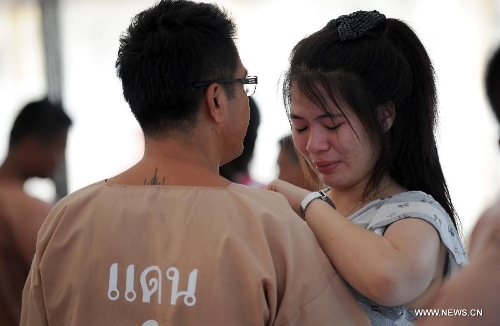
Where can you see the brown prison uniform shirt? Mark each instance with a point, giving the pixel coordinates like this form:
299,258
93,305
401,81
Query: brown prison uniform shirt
174,255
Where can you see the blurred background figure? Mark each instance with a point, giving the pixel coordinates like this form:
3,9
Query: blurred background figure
36,147
238,170
291,169
476,289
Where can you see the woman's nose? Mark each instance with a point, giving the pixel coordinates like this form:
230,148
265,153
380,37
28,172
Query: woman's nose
317,141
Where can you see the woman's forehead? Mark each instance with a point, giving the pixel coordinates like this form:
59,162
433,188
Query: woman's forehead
321,101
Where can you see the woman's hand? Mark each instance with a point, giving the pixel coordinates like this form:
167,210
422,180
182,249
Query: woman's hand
293,194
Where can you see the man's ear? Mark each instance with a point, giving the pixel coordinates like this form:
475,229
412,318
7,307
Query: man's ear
216,100
387,114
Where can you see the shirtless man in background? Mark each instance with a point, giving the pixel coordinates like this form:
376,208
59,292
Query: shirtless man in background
36,147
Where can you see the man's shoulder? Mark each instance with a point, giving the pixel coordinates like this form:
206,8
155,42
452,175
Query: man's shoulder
261,197
16,204
487,230
257,193
84,192
76,199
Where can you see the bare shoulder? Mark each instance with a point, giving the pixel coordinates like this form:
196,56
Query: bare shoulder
491,216
23,215
486,230
18,207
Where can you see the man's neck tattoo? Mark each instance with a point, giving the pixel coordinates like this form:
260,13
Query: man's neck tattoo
154,180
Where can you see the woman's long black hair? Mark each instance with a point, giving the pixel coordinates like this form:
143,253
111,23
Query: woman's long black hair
387,65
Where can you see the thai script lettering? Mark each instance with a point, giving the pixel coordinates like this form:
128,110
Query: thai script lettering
151,285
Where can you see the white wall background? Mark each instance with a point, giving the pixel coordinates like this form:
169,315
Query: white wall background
105,138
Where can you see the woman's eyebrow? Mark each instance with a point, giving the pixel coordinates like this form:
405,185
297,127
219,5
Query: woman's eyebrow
319,117
295,117
329,116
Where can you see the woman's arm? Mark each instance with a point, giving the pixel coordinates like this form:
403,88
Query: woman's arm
475,291
391,270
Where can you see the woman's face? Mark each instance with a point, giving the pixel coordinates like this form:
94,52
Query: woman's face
341,156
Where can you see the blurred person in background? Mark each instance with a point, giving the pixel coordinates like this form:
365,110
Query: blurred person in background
291,169
36,148
474,294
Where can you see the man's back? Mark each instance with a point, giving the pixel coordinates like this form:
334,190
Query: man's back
112,254
12,273
20,219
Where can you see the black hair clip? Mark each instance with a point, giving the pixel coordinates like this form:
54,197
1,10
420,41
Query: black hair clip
354,25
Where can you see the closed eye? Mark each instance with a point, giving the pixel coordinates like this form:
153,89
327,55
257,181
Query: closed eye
334,127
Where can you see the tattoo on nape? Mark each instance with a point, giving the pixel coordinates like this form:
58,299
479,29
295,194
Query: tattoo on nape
154,180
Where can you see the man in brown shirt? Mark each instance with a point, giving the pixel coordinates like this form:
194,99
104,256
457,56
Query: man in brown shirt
169,241
36,146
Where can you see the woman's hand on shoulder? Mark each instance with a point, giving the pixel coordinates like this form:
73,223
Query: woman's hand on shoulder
292,193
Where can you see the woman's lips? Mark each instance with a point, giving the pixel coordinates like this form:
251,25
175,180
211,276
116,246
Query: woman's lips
325,167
